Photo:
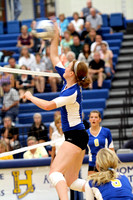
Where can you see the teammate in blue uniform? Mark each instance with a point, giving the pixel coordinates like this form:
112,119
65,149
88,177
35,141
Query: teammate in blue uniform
99,137
67,163
107,184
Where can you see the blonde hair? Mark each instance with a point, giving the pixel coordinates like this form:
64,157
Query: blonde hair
4,145
107,162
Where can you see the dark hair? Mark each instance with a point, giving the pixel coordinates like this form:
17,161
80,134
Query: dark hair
82,74
76,13
5,84
84,47
11,58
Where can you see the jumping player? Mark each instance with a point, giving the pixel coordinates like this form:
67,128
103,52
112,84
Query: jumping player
67,163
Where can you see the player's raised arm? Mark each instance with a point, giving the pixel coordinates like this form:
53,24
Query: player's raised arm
54,47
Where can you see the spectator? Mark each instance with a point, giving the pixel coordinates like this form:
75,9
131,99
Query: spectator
107,56
25,39
90,37
67,41
12,64
53,81
3,149
85,31
86,11
52,127
39,152
129,144
10,102
72,30
63,57
24,83
58,134
94,19
85,55
78,23
77,46
10,133
70,57
38,129
96,46
62,23
39,66
32,26
7,78
99,137
96,69
26,58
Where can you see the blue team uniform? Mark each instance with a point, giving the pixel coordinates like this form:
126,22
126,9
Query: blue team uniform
95,143
116,189
70,103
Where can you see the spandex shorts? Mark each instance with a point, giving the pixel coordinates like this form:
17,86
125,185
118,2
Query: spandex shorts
78,137
92,168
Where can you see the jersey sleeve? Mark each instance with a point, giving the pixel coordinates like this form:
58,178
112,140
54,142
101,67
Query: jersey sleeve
60,69
110,141
65,100
88,191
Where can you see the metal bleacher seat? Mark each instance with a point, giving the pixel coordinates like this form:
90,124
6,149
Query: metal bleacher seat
13,27
105,20
1,27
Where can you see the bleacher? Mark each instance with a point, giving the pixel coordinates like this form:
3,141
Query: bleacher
92,99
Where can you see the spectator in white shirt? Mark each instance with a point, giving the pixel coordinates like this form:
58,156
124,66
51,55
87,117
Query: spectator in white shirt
78,23
96,46
26,58
39,152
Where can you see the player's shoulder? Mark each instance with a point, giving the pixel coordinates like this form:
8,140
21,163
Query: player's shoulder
74,89
106,130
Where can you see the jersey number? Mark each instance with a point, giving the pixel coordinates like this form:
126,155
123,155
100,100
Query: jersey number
96,142
116,183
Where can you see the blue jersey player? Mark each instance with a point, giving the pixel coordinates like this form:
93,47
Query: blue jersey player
99,137
67,163
107,184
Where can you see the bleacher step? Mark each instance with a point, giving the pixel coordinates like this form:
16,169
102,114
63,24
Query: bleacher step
127,44
117,93
126,51
115,123
115,133
125,58
115,113
122,75
124,66
123,83
128,37
114,102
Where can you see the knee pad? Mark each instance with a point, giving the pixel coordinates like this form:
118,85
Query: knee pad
56,177
78,184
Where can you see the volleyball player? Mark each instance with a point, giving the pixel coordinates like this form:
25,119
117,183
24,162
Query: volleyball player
107,183
67,163
99,137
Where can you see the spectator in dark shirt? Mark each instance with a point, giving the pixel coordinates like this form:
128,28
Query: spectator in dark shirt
72,30
96,69
10,102
25,39
24,83
86,11
85,31
9,133
90,37
77,46
38,129
129,144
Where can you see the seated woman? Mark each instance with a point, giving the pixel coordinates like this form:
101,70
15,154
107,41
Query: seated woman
3,149
25,39
85,55
77,22
62,23
107,55
107,183
26,58
24,83
90,37
67,41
